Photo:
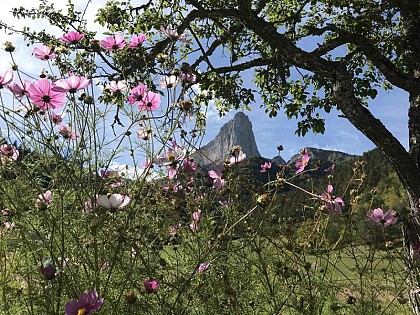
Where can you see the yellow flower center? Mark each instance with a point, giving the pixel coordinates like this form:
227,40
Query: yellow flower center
81,311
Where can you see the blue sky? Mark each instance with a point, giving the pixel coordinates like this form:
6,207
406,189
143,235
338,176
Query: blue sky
390,107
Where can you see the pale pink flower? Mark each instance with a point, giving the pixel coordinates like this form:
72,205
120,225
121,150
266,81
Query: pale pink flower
330,169
119,86
189,165
168,82
379,217
203,267
6,78
20,89
172,229
113,201
264,167
137,94
55,118
196,216
144,133
44,200
43,96
303,162
173,34
137,41
66,132
189,78
218,182
113,42
43,53
72,84
333,205
72,37
150,101
9,153
174,155
194,226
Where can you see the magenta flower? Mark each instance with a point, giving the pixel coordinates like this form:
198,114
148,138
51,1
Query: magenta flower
203,267
264,167
48,269
303,162
86,303
44,53
119,86
150,101
379,217
72,84
218,182
43,96
151,286
18,89
113,201
113,42
137,93
9,153
72,37
334,206
137,41
6,78
66,132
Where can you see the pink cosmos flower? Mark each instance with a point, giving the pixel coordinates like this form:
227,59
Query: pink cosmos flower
189,165
119,86
189,78
137,93
218,182
172,229
43,96
379,217
43,200
194,226
237,158
196,216
43,53
174,155
334,206
137,41
56,119
144,133
203,267
173,34
20,89
6,78
113,201
72,84
149,102
303,162
264,167
113,42
66,132
151,286
9,153
72,37
87,303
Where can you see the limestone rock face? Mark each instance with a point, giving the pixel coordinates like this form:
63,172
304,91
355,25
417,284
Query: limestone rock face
237,131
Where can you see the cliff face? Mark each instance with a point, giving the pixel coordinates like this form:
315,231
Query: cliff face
238,131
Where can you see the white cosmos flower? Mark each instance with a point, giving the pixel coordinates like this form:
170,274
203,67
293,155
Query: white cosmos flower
168,82
113,201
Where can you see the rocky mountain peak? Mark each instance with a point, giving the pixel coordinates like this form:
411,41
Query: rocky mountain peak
237,131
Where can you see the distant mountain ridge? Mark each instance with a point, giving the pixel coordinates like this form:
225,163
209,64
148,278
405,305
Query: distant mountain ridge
238,131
